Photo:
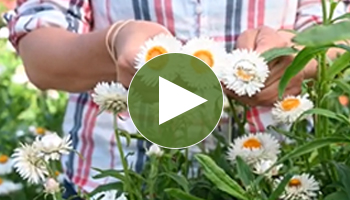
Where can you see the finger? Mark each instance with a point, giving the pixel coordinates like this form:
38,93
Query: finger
276,71
246,40
242,99
267,38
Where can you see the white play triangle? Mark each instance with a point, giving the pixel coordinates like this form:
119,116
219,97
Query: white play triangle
175,100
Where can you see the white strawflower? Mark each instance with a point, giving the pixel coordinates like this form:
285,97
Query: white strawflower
291,108
154,150
210,52
301,187
52,146
262,166
7,187
51,186
108,195
29,164
6,165
111,97
254,147
158,45
246,74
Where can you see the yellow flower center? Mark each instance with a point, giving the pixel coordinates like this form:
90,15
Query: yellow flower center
252,143
290,104
3,159
294,182
242,74
57,173
205,56
1,181
155,51
40,131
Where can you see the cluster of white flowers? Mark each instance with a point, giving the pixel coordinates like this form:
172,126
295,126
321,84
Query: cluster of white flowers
260,151
242,71
7,186
32,161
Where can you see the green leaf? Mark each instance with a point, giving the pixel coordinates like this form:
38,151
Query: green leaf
124,134
341,17
244,172
109,173
180,195
311,146
298,64
179,179
278,52
323,34
344,176
107,187
280,188
343,85
329,114
339,195
339,64
220,179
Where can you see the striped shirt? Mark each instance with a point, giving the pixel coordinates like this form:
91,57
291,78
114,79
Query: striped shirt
222,20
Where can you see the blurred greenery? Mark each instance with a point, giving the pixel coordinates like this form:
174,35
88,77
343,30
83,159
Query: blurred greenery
23,108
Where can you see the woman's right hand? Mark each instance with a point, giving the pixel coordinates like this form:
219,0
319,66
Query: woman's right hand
128,42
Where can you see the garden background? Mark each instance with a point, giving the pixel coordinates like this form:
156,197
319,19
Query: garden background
24,110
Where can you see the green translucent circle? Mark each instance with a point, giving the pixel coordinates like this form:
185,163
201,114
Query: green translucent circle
188,128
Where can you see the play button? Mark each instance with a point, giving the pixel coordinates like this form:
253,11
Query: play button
175,100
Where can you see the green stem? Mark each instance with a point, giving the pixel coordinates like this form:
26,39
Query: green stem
122,157
236,118
324,11
152,177
229,130
321,123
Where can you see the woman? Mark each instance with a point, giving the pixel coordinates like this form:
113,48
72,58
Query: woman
62,44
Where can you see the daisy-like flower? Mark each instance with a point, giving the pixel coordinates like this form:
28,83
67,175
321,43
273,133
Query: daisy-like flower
6,165
108,195
291,108
158,45
51,186
210,52
247,72
254,147
38,130
52,146
301,187
154,150
8,187
111,97
29,164
262,166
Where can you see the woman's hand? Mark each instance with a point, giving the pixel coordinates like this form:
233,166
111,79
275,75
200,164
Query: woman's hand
261,40
129,40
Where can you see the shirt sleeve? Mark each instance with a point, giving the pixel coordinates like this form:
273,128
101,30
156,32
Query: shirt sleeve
29,15
309,13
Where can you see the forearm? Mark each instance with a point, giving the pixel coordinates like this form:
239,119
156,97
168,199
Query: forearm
57,59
